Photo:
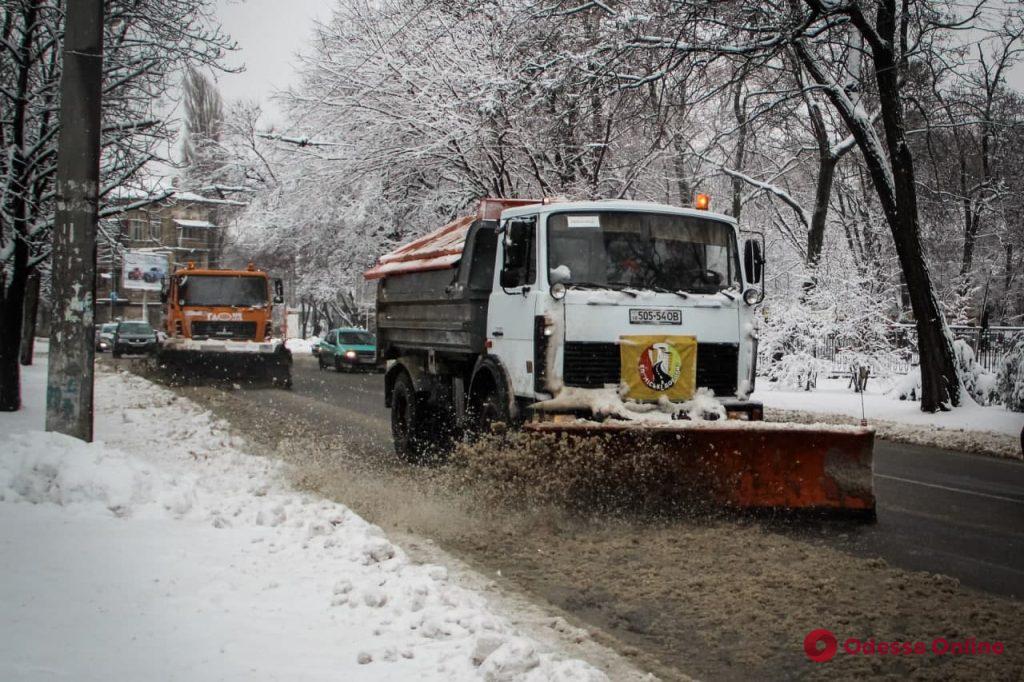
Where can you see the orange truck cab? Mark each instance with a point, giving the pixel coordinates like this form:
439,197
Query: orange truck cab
223,320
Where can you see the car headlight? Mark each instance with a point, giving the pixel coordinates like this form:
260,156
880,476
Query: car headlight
350,354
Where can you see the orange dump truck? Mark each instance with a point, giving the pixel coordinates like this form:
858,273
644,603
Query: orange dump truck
220,325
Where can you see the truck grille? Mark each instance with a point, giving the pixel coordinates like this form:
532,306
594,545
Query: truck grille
370,355
592,365
236,331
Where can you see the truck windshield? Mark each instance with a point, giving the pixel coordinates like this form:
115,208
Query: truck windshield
222,290
638,250
356,338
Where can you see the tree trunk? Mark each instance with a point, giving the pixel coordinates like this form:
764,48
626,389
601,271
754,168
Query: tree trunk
816,233
940,383
11,312
739,111
894,182
1007,308
16,209
28,322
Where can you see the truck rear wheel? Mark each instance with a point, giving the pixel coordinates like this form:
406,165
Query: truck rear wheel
409,421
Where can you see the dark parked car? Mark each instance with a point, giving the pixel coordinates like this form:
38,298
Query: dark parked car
134,337
105,336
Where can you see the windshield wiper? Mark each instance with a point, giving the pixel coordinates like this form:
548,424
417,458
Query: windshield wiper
594,285
666,290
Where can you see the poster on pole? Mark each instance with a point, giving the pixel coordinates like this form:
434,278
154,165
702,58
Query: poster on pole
144,270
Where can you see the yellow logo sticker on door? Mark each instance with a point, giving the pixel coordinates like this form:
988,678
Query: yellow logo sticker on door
656,366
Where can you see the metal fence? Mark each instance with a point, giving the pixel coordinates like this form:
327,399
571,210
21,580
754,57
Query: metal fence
990,346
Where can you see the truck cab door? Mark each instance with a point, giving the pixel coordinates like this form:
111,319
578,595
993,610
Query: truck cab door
513,302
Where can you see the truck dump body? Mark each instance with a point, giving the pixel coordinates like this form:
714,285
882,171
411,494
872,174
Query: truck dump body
432,293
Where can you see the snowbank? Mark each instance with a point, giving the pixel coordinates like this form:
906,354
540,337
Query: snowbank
990,430
164,551
302,346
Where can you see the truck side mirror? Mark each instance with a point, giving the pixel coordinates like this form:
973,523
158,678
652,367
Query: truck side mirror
278,291
753,260
509,278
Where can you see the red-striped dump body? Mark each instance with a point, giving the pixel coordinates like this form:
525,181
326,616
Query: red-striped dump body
442,248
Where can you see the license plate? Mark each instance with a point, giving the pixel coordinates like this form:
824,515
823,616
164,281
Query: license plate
655,316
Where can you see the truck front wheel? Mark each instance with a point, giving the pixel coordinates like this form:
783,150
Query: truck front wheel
489,406
409,427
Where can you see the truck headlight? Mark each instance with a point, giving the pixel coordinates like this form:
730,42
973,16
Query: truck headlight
558,291
752,296
350,354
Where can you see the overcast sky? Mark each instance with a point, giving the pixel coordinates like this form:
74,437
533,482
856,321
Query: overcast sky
269,34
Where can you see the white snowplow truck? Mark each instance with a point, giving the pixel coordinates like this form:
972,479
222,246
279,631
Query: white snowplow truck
624,320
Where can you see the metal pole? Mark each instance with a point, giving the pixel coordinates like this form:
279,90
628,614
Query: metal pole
69,389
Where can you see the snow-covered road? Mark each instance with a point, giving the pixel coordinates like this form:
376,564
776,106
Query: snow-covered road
163,551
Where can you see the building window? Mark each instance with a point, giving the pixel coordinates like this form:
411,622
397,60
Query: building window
194,233
155,227
134,228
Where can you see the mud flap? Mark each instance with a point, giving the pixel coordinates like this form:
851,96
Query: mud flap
753,465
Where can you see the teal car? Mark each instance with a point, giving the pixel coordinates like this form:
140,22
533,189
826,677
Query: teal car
347,349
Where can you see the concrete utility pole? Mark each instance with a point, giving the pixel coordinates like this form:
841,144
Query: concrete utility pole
69,389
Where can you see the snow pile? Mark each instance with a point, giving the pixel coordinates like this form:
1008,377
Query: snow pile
302,346
703,406
610,402
908,386
165,550
971,427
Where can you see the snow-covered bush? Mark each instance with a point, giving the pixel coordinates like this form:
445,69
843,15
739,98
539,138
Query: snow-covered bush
979,382
1010,378
789,346
839,317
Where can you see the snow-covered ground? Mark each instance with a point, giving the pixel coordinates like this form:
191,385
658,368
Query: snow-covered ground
163,551
994,430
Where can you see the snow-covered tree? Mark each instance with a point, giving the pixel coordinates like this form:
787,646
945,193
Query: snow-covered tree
145,43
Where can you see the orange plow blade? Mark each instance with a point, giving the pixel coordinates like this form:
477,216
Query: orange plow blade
751,465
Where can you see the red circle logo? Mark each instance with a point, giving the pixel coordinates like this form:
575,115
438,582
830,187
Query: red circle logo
817,653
